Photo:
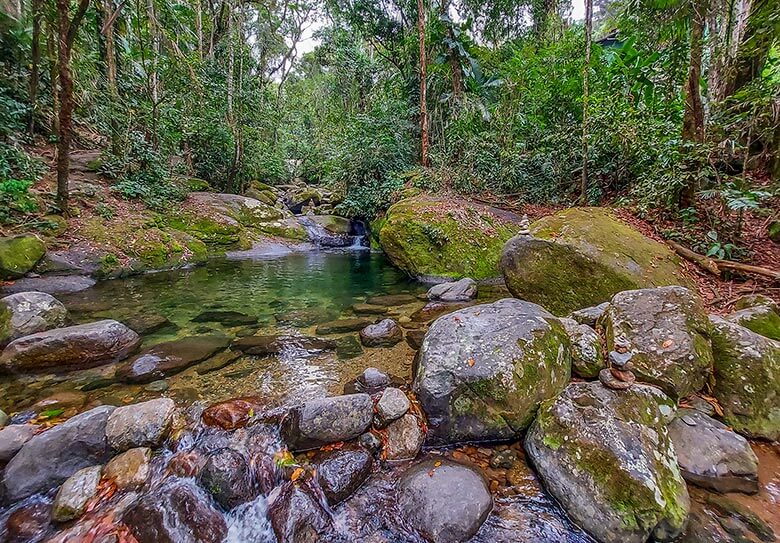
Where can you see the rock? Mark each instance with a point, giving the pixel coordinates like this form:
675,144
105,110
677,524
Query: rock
587,358
217,362
50,457
390,300
369,309
462,290
74,347
503,459
65,399
302,318
392,405
232,414
226,476
415,338
348,347
176,512
13,437
712,456
28,523
143,424
667,331
736,518
226,318
148,323
607,458
334,224
161,385
720,520
342,326
341,472
762,319
273,345
437,237
589,315
27,313
484,370
3,418
298,514
19,255
370,381
434,310
773,231
581,257
385,333
74,494
327,420
754,300
171,357
370,442
747,379
131,469
444,501
405,438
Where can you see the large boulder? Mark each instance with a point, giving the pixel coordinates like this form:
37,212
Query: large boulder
667,332
327,420
581,257
444,501
747,379
483,371
26,313
49,458
606,456
19,254
587,357
74,347
429,236
143,424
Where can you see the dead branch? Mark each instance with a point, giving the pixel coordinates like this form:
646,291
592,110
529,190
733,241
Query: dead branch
717,265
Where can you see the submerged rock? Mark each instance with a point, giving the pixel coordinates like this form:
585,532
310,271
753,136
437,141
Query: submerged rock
225,318
274,345
587,357
27,313
19,254
462,290
341,472
342,326
28,523
140,425
369,309
327,420
74,494
232,414
581,257
148,323
302,318
607,458
390,300
444,501
385,333
484,370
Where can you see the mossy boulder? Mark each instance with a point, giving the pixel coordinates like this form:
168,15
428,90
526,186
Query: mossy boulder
26,313
762,316
606,456
195,184
587,356
19,254
581,257
747,379
482,371
430,237
334,224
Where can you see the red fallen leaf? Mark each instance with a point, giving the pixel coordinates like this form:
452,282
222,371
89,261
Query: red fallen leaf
472,362
296,474
668,343
337,446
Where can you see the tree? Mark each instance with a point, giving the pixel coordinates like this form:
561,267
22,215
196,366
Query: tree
424,140
693,116
586,98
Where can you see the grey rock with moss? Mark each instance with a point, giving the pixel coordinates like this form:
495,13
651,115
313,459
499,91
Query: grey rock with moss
462,290
747,379
19,254
26,313
587,357
667,332
607,457
589,315
327,420
143,424
3,418
73,495
482,371
761,318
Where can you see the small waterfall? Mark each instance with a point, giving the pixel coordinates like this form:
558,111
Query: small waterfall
322,237
248,523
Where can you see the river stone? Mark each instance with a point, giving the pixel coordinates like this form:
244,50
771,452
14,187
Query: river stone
298,513
50,457
667,332
589,315
64,399
385,333
143,424
176,512
580,257
444,501
405,438
171,357
712,456
13,437
762,319
747,379
433,310
131,469
327,420
462,290
225,318
390,300
27,313
414,338
341,472
369,309
74,494
348,347
371,381
148,323
28,522
341,326
226,475
606,456
274,345
74,347
334,224
587,356
484,370
392,405
232,414
301,318
19,254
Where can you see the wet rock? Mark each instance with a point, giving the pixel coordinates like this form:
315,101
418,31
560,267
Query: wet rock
217,362
385,333
462,290
370,381
131,469
232,414
761,318
50,457
589,315
607,458
444,501
302,318
503,459
484,370
370,442
226,318
298,514
28,523
434,310
712,456
13,437
65,399
148,323
327,420
176,512
587,358
74,347
140,425
226,476
392,405
161,385
390,300
341,472
348,347
667,331
75,492
274,345
747,379
342,326
27,313
415,338
405,438
369,309
19,255
171,357
738,519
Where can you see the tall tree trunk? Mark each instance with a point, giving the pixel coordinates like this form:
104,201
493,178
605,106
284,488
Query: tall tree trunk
51,39
199,26
586,99
424,143
111,70
154,81
36,62
693,117
452,56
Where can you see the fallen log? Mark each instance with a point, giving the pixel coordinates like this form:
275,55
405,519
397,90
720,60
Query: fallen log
717,265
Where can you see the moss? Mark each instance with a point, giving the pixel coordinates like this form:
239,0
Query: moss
289,229
206,229
761,320
19,254
198,185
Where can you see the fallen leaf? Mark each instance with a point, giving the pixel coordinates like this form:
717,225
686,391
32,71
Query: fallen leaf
437,464
472,362
668,343
296,474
